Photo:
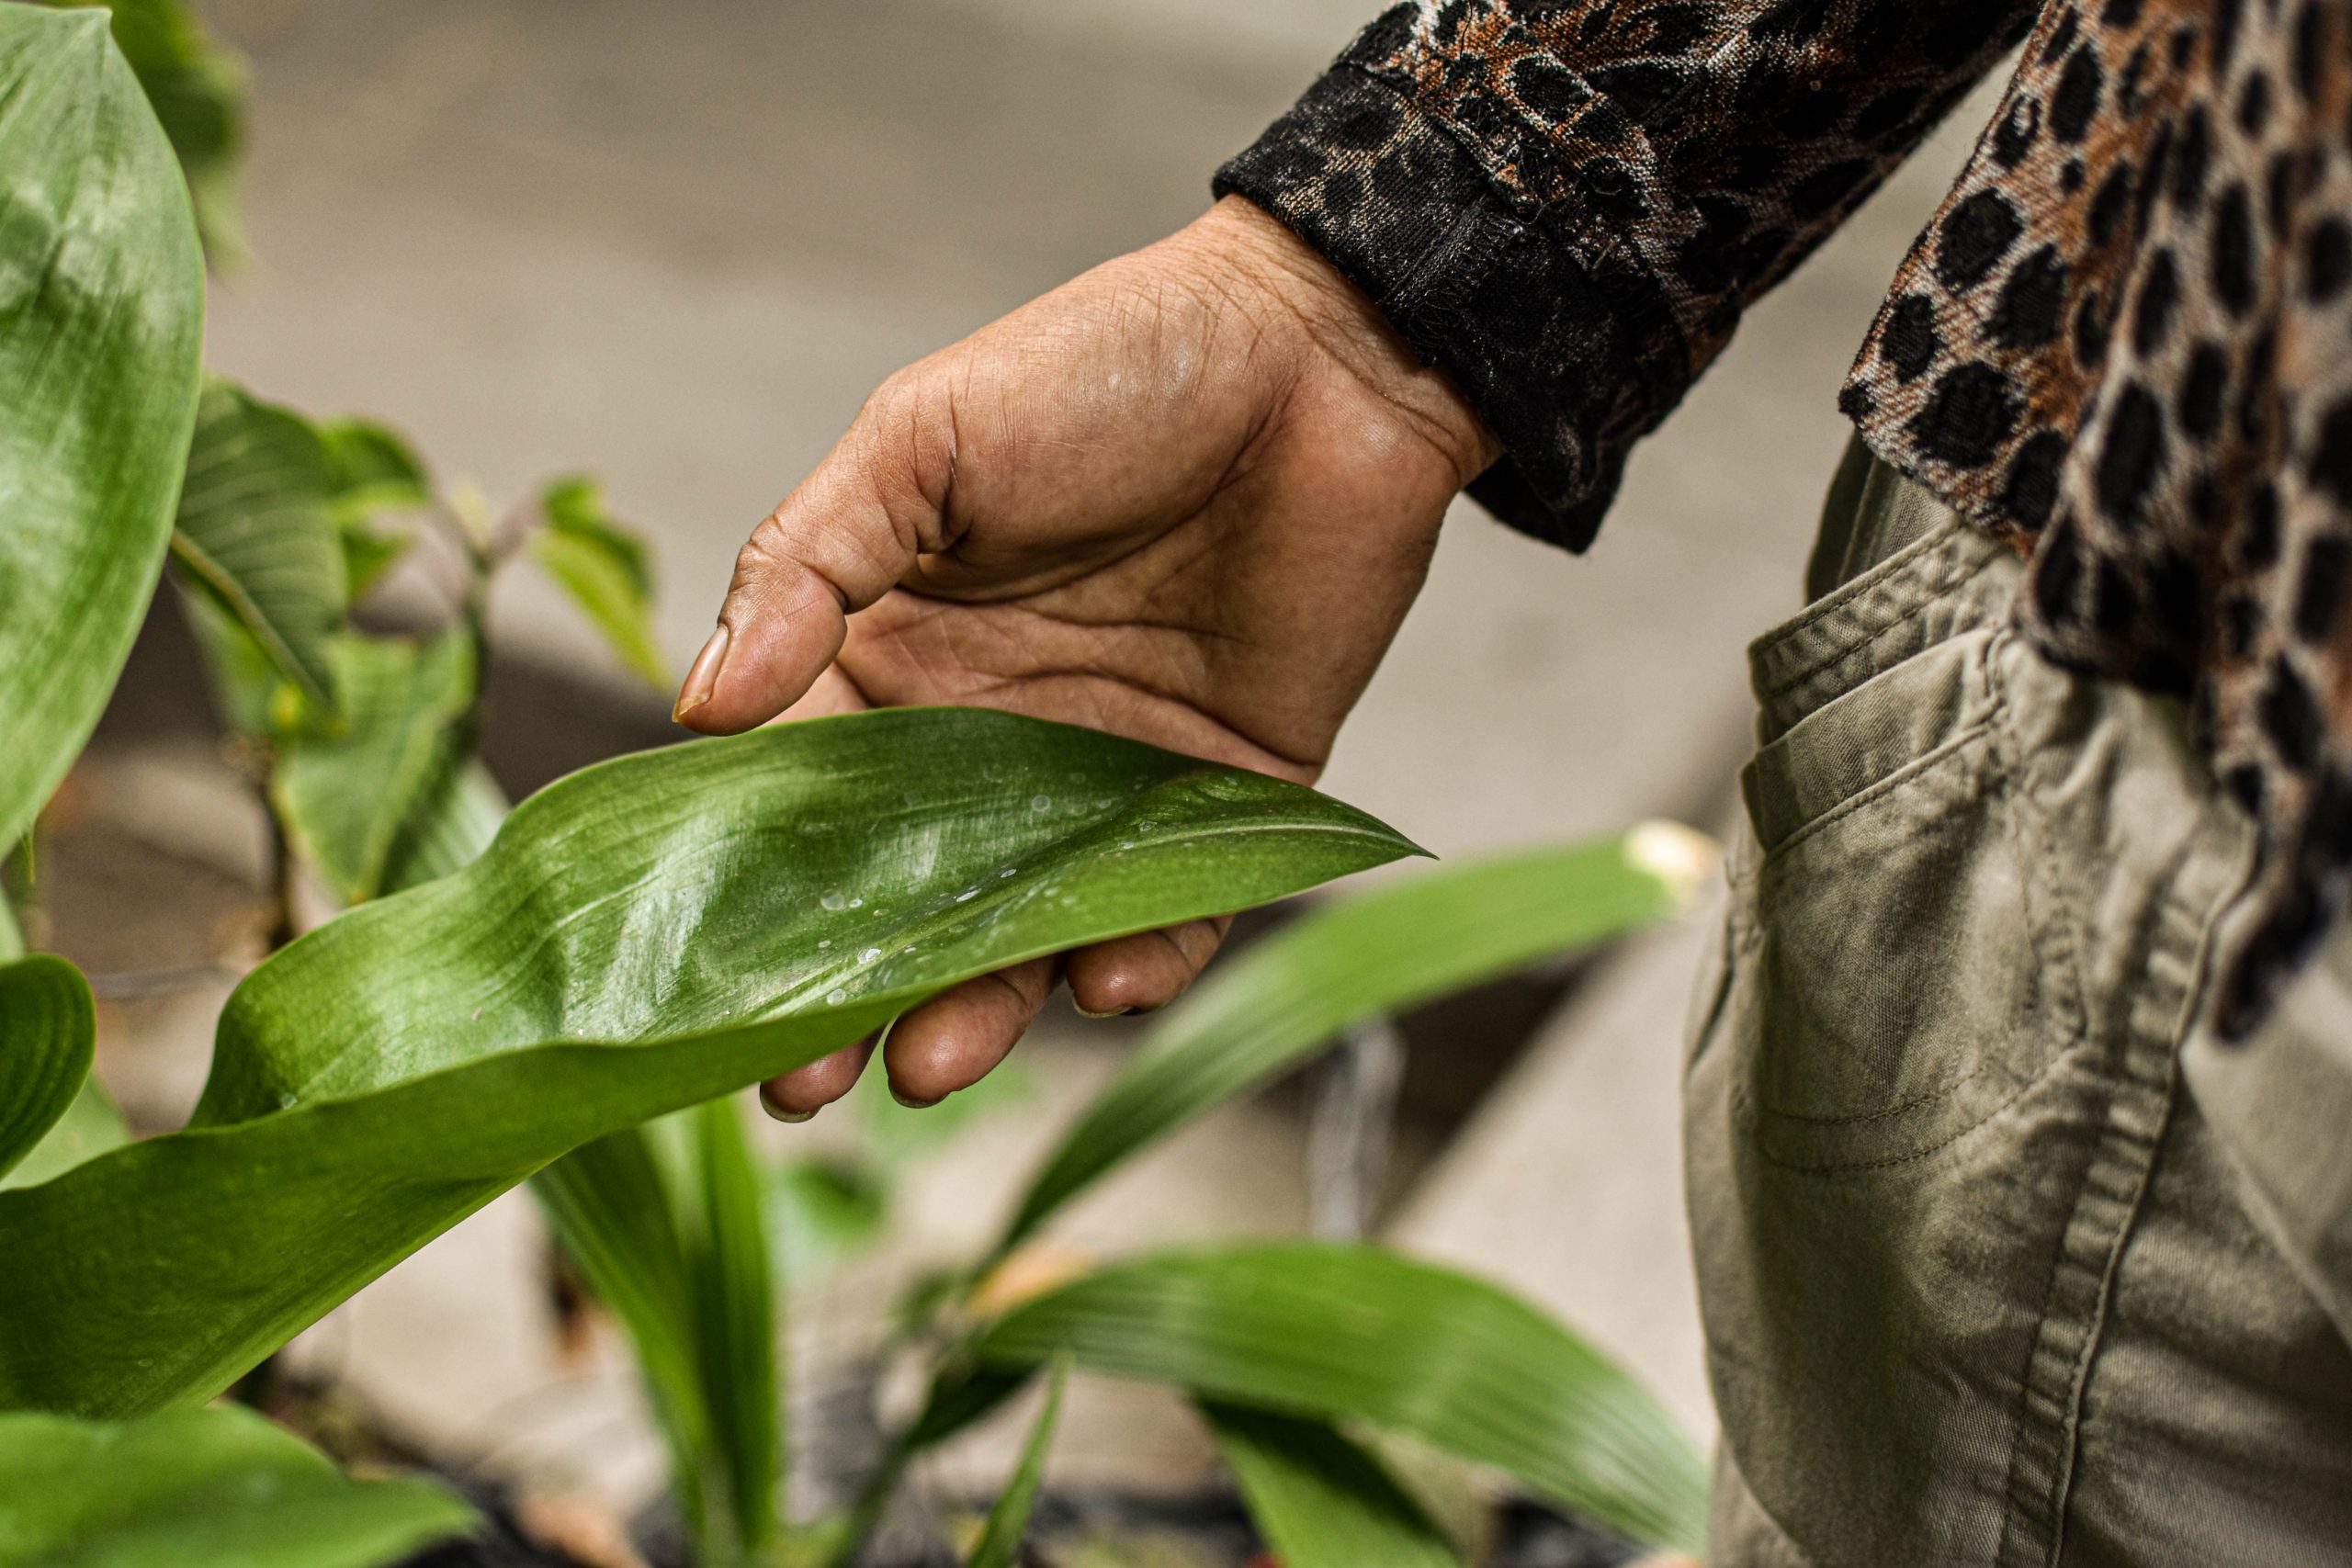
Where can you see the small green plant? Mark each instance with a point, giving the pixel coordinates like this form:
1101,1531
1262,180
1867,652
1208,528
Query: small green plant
570,993
217,1488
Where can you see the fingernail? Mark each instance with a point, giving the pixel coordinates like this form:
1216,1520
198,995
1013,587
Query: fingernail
1114,1013
702,679
910,1104
778,1112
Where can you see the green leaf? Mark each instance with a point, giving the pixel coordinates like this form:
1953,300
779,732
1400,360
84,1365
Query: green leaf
246,686
1009,1520
1350,1332
605,568
1320,1501
346,796
610,1207
219,1488
198,93
450,825
1372,954
643,936
367,553
101,308
47,1033
254,533
90,1127
371,468
734,1291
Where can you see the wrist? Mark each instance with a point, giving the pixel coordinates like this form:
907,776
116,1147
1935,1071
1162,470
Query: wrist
1337,322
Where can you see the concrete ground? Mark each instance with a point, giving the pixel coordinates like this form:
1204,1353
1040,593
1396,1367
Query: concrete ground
676,245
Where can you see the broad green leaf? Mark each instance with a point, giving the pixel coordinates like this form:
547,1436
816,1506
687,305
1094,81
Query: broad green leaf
47,1032
1356,1334
1000,1543
101,310
255,534
648,934
734,1291
219,1488
605,569
1320,1501
346,796
1375,952
695,1300
197,92
90,1127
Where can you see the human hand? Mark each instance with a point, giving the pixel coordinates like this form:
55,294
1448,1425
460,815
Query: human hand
1185,498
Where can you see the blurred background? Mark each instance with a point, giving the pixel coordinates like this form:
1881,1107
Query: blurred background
675,246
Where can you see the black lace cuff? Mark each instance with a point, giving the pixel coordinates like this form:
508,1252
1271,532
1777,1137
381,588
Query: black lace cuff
1498,291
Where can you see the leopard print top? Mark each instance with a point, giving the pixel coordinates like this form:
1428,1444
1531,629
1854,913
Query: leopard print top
2124,344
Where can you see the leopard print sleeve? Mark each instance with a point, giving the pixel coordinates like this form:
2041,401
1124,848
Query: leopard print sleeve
1567,203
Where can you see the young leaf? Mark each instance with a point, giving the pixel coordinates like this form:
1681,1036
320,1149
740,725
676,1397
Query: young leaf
198,91
1009,1520
734,1291
47,1031
1353,959
605,569
98,381
1351,1333
218,1488
254,533
371,468
1320,1501
346,796
611,1208
648,934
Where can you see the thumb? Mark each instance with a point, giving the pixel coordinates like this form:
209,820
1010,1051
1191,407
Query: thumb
839,541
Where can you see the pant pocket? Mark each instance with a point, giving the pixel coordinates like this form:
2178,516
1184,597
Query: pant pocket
1892,995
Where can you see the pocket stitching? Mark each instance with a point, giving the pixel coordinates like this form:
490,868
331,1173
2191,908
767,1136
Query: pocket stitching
1907,775
1931,589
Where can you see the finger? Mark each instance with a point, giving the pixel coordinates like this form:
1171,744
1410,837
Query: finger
952,1041
1135,974
802,1092
839,542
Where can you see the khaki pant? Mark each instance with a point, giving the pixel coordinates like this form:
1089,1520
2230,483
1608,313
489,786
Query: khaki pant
2003,1260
